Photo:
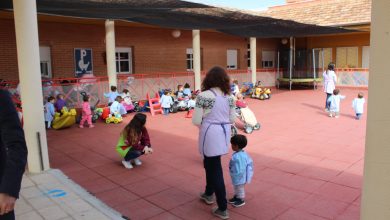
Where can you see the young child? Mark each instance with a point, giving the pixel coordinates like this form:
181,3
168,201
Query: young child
60,103
127,103
334,103
111,95
240,168
116,107
235,89
191,103
49,111
166,102
358,105
134,141
179,93
86,114
187,90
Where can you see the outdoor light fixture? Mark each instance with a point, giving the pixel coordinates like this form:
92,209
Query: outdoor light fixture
176,33
284,41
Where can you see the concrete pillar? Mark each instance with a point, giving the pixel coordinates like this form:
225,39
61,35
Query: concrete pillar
196,57
376,181
27,44
110,52
253,58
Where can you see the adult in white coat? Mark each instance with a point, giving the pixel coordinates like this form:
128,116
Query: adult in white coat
330,80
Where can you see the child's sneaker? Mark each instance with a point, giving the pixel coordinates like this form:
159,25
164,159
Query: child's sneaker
220,214
336,116
137,162
330,115
232,200
238,203
127,164
81,126
207,199
91,126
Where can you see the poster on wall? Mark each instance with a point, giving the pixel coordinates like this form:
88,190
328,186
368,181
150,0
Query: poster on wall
83,61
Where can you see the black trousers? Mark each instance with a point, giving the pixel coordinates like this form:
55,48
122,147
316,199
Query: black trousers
214,180
8,216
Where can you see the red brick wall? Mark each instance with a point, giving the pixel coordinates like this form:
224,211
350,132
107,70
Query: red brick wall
154,49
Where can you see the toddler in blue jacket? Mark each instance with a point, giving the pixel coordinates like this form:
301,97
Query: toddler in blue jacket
240,169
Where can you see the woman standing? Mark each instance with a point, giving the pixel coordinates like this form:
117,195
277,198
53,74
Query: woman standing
214,113
330,80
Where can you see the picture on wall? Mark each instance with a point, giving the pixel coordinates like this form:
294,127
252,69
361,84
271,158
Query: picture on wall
83,61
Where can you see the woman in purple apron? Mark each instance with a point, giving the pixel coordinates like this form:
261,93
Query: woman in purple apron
214,114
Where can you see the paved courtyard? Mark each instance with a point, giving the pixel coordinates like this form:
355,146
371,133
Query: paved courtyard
307,166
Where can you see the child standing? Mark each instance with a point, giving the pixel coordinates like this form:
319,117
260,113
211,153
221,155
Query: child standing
358,105
111,95
166,102
86,114
134,141
334,103
240,168
192,102
49,111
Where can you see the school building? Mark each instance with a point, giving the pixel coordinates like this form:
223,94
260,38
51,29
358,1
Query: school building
147,49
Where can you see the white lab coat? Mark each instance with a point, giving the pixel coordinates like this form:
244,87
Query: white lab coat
335,102
330,80
358,105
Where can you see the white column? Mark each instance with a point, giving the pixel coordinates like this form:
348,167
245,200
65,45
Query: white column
27,44
110,52
196,57
253,58
376,181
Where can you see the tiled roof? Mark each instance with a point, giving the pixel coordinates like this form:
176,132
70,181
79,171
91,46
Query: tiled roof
324,12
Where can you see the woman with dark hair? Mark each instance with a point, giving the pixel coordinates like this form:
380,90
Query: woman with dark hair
330,80
214,114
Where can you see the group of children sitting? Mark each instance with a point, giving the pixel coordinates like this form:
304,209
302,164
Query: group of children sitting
183,94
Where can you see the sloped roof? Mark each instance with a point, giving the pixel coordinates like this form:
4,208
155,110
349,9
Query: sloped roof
324,12
180,15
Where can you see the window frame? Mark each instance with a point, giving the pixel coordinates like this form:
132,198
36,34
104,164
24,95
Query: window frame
129,51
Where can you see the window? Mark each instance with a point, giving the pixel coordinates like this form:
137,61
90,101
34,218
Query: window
190,59
366,57
123,58
232,63
347,57
267,59
45,61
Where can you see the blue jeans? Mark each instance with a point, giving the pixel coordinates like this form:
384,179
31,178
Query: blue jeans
166,111
358,116
132,154
327,103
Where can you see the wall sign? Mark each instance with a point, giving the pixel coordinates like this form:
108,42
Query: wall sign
83,61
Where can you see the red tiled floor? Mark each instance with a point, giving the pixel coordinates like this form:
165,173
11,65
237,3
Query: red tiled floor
307,165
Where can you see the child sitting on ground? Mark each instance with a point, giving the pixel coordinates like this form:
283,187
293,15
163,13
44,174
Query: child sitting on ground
334,100
111,95
235,89
358,105
134,141
60,103
179,93
166,102
86,114
240,169
49,111
127,103
116,107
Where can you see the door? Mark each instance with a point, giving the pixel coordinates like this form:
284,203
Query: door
232,63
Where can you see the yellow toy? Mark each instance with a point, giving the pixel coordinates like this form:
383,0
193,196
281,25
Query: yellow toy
64,120
114,119
261,93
